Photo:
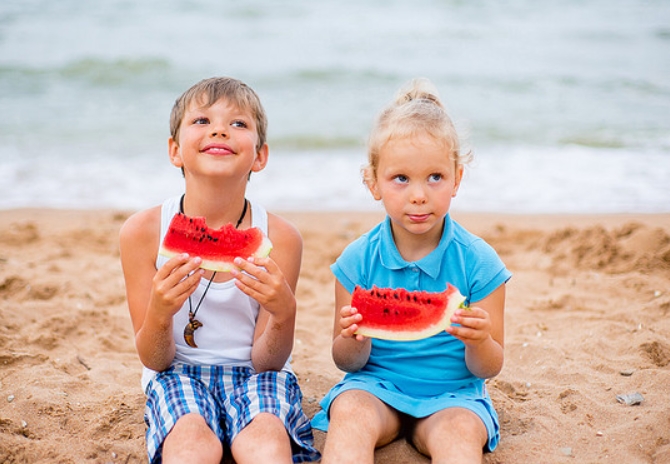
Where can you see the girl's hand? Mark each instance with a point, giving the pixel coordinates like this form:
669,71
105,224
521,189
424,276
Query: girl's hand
475,326
263,280
174,282
349,319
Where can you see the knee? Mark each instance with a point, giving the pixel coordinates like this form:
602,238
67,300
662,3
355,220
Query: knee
192,434
459,423
359,414
450,429
351,404
263,438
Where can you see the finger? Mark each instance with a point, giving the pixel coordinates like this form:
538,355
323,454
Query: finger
348,311
183,276
259,268
349,331
171,264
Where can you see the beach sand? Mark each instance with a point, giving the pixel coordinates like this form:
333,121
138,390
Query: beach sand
587,320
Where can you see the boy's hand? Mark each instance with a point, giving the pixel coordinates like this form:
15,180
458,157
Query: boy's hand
263,280
174,282
475,326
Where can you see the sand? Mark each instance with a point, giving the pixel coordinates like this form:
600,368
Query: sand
586,321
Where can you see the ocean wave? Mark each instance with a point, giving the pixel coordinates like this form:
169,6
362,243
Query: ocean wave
97,71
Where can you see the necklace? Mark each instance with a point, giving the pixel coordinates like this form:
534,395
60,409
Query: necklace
194,324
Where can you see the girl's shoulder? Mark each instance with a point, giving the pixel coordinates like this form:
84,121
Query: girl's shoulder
366,240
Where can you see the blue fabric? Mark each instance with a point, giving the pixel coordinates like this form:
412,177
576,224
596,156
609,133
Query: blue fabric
228,398
421,377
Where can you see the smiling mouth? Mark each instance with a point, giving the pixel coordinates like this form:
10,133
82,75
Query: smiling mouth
218,149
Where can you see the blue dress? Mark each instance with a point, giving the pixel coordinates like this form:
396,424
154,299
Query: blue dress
421,377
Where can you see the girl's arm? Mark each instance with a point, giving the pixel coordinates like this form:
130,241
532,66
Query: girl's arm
153,296
272,282
350,352
483,332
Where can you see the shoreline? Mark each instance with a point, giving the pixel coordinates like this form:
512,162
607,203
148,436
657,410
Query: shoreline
586,320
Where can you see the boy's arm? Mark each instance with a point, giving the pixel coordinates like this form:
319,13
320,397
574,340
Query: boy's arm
153,296
483,333
350,352
272,281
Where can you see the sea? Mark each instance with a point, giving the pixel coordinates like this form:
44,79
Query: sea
565,105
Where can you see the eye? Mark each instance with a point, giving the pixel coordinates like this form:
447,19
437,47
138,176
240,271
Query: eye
201,120
240,123
401,179
435,177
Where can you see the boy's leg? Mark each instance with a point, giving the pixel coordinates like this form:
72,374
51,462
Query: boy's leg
182,416
453,435
263,440
359,423
264,418
191,440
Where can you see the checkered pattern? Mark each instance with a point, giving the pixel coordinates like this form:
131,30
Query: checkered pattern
228,398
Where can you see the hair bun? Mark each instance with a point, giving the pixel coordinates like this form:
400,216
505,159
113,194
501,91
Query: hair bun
418,89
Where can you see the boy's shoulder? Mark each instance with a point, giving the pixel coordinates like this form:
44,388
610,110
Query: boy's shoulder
142,225
280,229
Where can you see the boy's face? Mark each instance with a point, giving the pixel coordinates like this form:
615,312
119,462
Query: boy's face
217,139
416,180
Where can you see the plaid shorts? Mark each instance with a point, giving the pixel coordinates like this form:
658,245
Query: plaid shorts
228,398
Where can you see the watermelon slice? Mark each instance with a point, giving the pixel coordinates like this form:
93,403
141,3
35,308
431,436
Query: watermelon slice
217,248
399,314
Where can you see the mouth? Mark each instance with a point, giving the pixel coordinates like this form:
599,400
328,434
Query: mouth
418,217
217,149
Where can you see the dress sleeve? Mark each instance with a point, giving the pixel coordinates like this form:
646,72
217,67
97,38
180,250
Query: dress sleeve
348,268
488,271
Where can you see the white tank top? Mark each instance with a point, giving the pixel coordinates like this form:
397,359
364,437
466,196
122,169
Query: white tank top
228,316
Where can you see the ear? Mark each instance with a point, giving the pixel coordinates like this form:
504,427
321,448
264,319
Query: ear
261,158
370,181
457,179
175,153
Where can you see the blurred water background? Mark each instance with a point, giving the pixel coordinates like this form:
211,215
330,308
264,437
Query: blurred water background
566,105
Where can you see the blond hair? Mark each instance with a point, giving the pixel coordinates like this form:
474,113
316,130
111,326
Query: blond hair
209,91
415,110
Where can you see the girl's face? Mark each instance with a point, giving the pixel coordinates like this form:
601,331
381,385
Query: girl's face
416,180
217,139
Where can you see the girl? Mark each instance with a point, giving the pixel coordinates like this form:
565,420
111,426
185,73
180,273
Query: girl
432,391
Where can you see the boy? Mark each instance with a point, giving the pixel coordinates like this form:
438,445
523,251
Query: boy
236,387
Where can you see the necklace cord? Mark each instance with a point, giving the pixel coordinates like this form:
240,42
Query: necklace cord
191,312
239,221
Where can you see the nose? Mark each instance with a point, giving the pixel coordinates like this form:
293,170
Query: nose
417,195
219,130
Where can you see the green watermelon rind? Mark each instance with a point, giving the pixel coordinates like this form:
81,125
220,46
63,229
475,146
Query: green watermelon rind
215,264
454,301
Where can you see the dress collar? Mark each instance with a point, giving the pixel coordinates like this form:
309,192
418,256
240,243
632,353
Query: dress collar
430,264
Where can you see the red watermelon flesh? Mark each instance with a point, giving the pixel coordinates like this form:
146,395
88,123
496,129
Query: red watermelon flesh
399,314
217,248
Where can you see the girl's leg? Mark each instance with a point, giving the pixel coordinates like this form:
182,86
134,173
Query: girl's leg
454,435
191,440
264,440
359,423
